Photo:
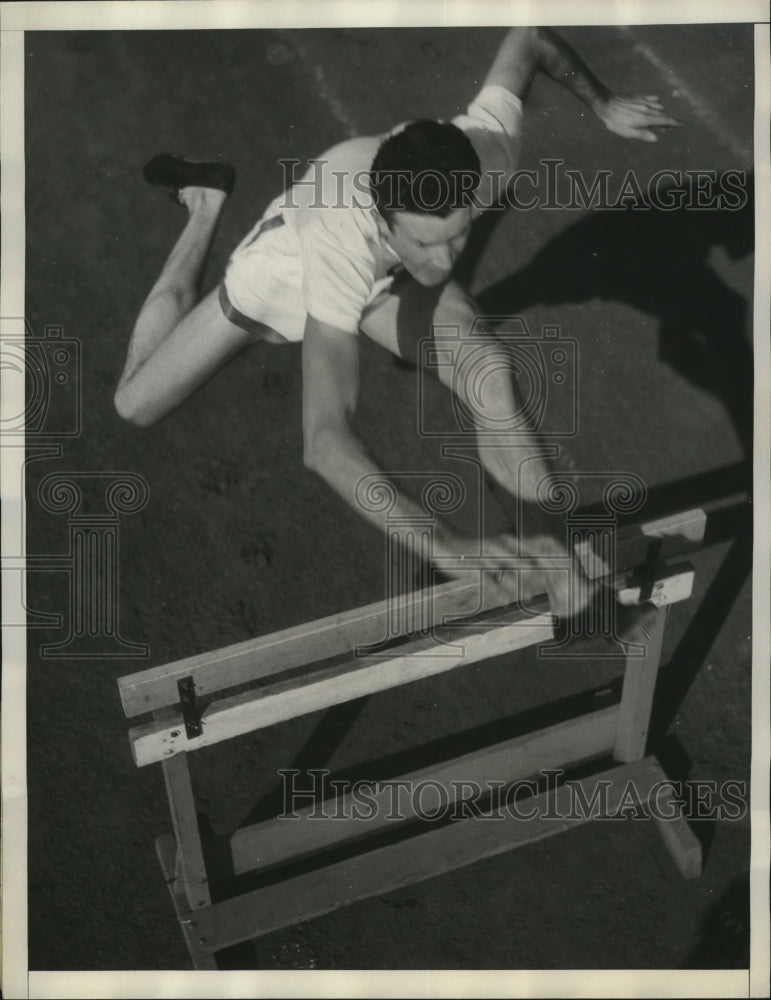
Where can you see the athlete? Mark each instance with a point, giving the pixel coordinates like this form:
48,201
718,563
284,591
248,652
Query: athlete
365,243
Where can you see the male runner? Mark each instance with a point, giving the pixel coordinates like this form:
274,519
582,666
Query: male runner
367,237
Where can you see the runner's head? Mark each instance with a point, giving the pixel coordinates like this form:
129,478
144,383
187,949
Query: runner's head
423,179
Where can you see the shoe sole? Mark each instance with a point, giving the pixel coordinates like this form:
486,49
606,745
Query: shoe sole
169,170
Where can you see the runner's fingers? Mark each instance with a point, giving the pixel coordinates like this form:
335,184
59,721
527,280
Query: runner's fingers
644,105
643,108
636,131
656,118
650,116
647,102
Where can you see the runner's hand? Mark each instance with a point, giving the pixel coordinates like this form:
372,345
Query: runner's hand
635,117
507,574
504,583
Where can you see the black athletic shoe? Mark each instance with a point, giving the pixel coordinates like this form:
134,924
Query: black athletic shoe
172,171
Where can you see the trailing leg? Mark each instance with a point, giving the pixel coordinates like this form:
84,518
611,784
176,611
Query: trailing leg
177,344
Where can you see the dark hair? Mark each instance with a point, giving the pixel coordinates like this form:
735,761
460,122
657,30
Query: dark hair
428,167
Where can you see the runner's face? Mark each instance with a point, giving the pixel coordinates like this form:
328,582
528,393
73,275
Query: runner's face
429,245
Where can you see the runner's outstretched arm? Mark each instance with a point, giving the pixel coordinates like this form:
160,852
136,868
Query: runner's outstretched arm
336,453
526,51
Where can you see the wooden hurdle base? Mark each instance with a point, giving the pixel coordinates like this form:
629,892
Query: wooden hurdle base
434,851
290,869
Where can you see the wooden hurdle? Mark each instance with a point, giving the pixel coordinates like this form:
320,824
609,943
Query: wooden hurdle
643,571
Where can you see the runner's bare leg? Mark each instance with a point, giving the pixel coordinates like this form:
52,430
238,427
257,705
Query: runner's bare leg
178,286
177,344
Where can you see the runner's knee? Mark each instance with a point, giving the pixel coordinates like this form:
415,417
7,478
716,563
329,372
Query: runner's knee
129,407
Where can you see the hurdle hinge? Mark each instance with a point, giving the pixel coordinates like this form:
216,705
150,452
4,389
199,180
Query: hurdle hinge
191,713
648,570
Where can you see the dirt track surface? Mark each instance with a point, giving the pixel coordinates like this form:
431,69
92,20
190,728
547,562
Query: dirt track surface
238,540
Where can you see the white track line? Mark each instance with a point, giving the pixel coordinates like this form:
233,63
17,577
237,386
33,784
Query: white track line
714,122
323,88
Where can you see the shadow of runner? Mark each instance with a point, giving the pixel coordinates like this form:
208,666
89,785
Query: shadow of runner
657,261
676,678
315,754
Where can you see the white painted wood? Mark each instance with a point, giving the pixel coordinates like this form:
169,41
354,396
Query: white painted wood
168,855
266,655
440,849
671,585
639,685
148,690
679,839
314,828
193,879
675,535
356,678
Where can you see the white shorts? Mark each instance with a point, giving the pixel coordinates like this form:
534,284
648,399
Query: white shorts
263,283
